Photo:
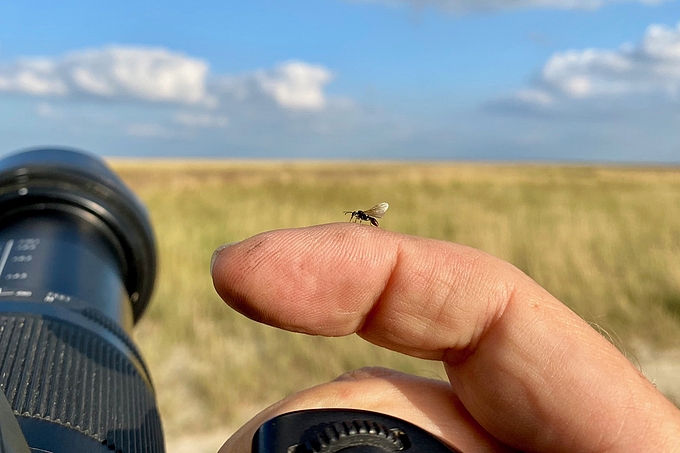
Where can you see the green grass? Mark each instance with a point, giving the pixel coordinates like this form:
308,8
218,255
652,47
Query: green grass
605,241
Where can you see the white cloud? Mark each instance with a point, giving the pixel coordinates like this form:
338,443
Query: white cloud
295,85
47,111
33,76
462,6
158,75
648,71
533,96
203,120
113,72
151,130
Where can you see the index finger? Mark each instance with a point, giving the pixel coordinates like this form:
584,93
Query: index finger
528,369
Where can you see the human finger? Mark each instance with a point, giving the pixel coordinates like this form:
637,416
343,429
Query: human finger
528,369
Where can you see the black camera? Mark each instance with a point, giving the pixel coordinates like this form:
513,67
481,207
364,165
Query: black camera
343,431
77,269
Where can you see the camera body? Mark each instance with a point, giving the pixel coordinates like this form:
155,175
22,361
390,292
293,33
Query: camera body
343,431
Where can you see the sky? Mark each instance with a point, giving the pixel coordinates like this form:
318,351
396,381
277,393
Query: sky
501,80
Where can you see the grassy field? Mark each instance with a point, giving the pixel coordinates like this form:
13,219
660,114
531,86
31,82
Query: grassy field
606,241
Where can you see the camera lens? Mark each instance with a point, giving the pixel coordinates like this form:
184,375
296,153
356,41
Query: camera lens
77,269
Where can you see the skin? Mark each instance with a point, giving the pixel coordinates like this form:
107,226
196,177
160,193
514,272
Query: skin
525,372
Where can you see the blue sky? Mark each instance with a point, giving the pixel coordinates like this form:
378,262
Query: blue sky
565,80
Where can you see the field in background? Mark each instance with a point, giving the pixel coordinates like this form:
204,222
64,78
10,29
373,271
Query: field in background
605,241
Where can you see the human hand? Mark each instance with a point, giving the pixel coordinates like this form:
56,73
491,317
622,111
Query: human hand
525,372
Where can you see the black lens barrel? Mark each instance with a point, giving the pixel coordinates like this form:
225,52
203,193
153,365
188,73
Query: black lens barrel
61,179
77,269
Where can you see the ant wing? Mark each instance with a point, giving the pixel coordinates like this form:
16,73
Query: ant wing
378,210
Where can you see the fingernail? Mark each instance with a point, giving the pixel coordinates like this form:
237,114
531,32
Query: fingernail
217,252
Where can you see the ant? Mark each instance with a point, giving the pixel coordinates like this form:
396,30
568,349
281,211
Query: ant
370,215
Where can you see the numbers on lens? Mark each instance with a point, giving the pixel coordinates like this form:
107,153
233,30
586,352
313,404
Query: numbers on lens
16,276
369,215
22,258
27,244
51,297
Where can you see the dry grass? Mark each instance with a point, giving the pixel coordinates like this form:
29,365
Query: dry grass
606,241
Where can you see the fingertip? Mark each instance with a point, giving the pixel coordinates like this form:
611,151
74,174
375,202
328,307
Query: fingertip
217,253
